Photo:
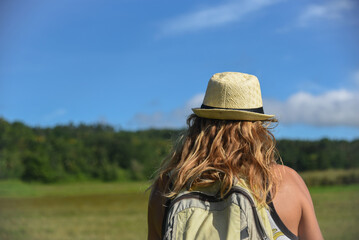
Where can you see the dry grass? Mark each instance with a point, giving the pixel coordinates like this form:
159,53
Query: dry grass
331,177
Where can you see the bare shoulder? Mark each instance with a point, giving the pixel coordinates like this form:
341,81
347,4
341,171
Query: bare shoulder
288,199
289,177
291,185
294,204
286,171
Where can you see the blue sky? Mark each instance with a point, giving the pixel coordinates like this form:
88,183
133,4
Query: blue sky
140,64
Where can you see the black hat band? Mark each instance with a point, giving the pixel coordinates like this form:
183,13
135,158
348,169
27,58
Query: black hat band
256,110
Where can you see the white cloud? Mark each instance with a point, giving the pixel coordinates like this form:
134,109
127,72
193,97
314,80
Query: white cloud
330,10
55,114
173,119
195,101
332,108
213,16
356,78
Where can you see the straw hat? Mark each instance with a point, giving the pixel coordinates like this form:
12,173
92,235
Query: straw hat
233,96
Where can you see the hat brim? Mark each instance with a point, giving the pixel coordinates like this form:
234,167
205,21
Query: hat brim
229,114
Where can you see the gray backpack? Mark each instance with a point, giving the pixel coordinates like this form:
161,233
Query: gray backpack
203,215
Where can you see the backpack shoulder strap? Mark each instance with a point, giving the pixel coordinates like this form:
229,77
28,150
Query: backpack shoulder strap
260,212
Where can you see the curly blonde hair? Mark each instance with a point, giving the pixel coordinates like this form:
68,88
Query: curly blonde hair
220,151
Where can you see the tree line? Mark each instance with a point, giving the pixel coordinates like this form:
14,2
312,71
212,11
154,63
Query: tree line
99,151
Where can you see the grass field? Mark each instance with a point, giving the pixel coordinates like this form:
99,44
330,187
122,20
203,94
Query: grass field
94,210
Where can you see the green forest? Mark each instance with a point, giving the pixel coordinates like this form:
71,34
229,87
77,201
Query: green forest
98,151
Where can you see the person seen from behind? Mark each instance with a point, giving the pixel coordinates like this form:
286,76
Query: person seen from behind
229,140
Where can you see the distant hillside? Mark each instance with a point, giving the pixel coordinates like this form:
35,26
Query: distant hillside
69,152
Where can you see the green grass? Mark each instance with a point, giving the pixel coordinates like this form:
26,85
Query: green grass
18,189
94,210
73,211
337,209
